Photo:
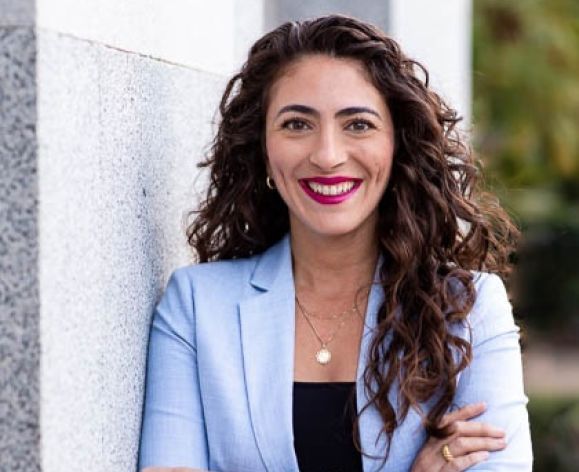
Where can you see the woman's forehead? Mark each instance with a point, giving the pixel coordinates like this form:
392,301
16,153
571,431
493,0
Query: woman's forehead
322,80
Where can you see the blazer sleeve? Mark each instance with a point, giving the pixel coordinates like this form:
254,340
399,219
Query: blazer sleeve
173,427
495,376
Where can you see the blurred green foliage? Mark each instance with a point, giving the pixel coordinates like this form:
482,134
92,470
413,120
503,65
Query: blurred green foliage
526,123
555,433
546,283
526,104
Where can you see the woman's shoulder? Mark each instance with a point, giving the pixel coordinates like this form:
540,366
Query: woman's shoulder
235,272
486,280
211,284
492,311
222,271
489,289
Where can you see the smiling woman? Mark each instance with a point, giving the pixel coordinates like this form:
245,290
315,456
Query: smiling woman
329,141
347,313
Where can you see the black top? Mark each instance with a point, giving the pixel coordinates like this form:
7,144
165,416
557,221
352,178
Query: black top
323,415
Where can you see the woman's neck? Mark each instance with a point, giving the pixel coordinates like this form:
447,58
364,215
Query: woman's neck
328,264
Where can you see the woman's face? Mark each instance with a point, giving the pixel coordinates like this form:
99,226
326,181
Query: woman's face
330,142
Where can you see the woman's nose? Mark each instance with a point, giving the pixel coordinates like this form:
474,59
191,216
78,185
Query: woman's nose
328,151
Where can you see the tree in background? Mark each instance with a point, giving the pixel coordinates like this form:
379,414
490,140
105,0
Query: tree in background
526,120
526,103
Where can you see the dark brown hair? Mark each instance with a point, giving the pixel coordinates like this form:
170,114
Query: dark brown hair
435,225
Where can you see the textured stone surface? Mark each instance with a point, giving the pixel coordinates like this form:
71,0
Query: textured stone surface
249,27
278,11
119,136
439,35
194,33
19,311
17,12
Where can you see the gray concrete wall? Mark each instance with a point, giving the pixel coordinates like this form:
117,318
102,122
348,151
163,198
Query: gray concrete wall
19,306
17,13
439,35
278,11
118,140
105,110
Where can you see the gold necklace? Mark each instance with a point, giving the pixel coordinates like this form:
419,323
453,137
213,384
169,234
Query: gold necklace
331,317
323,355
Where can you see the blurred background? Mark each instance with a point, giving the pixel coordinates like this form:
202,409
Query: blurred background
526,123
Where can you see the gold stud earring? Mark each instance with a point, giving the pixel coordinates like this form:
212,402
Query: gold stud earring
269,183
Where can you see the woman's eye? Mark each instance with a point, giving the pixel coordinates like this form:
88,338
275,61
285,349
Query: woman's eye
360,125
295,124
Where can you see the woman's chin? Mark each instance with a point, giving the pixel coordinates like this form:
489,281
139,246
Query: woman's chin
332,229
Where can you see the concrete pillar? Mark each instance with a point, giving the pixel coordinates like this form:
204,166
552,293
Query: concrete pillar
438,34
105,109
278,11
19,245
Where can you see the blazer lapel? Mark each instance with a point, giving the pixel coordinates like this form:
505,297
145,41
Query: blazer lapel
371,441
267,334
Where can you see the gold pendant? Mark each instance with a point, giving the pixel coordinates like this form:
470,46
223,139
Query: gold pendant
323,356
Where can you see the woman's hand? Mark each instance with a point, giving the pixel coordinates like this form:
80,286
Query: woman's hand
469,443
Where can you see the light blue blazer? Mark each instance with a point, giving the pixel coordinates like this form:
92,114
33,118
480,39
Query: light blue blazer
220,370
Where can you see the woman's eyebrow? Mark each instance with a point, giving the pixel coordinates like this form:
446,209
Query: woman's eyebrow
356,110
306,110
312,111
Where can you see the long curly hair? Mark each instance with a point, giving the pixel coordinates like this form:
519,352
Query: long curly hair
436,224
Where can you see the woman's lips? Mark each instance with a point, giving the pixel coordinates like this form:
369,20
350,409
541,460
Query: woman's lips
330,190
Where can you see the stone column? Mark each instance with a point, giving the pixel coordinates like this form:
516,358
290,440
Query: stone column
19,245
438,34
278,11
105,109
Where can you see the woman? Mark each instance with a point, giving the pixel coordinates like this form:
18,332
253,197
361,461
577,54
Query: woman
348,312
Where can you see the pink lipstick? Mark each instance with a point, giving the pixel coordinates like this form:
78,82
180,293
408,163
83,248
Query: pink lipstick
330,190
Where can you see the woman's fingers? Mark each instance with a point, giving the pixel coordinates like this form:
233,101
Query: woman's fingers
476,428
468,442
461,445
464,462
466,412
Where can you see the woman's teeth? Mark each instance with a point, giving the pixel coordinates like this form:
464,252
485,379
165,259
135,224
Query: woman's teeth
337,189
